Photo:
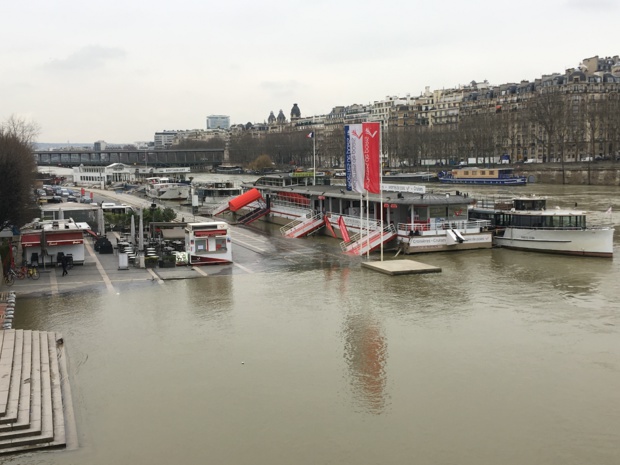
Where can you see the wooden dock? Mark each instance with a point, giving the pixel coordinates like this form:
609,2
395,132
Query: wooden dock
399,267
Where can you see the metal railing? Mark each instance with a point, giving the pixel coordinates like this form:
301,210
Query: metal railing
435,227
371,236
311,215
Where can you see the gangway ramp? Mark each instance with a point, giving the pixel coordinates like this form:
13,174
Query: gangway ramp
363,243
453,237
300,228
223,207
254,215
237,203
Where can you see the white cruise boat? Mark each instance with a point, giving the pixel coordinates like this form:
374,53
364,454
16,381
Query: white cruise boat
525,223
166,189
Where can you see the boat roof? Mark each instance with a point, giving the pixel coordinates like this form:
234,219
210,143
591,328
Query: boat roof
475,168
399,198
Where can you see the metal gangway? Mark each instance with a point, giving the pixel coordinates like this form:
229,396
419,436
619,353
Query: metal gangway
307,224
259,209
368,240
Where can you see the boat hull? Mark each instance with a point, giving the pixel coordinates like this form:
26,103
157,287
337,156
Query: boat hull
180,192
412,177
583,242
442,243
197,260
501,182
229,170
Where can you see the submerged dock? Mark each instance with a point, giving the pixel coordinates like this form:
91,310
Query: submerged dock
400,267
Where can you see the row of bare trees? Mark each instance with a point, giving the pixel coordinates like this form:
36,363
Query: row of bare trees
553,126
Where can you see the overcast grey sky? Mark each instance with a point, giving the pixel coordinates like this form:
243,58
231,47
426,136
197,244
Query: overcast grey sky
121,70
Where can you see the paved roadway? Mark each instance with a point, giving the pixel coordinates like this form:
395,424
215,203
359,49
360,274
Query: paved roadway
254,251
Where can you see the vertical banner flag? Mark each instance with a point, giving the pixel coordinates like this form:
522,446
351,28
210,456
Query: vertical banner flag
347,156
343,229
354,157
372,155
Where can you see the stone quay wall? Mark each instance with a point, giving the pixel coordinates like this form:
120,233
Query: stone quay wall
595,173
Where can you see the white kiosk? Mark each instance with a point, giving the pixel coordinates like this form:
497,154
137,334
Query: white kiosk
208,243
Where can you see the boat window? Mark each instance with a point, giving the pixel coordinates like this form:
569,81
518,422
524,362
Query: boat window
420,213
573,221
526,221
457,211
502,219
530,204
437,211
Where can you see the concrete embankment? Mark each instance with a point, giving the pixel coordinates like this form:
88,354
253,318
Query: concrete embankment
595,174
605,173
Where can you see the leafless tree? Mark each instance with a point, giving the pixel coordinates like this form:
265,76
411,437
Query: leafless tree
17,173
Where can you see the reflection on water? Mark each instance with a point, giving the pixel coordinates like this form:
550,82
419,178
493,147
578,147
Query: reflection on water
366,355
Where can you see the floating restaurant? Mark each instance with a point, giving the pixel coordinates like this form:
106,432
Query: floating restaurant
122,173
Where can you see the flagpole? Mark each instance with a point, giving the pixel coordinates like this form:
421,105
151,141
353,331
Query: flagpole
367,226
361,222
314,159
381,185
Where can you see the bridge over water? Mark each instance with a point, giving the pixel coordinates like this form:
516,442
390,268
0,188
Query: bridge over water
195,158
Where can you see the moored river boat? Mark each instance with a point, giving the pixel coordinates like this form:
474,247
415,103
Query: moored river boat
482,176
525,223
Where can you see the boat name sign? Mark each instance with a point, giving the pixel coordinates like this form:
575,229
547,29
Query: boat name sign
404,188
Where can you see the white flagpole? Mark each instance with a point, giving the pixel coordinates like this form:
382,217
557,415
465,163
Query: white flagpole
381,185
367,227
361,220
314,157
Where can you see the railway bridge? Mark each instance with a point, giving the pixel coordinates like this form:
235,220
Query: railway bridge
194,158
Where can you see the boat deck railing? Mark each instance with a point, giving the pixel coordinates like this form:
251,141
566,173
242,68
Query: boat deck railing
501,201
561,228
290,203
441,227
311,215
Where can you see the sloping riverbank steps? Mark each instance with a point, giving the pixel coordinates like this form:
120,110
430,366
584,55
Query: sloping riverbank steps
35,399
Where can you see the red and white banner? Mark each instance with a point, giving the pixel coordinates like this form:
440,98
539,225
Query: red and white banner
372,156
354,157
343,229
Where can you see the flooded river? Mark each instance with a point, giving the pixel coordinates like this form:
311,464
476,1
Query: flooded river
505,358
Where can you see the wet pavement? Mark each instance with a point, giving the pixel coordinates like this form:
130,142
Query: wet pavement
254,250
